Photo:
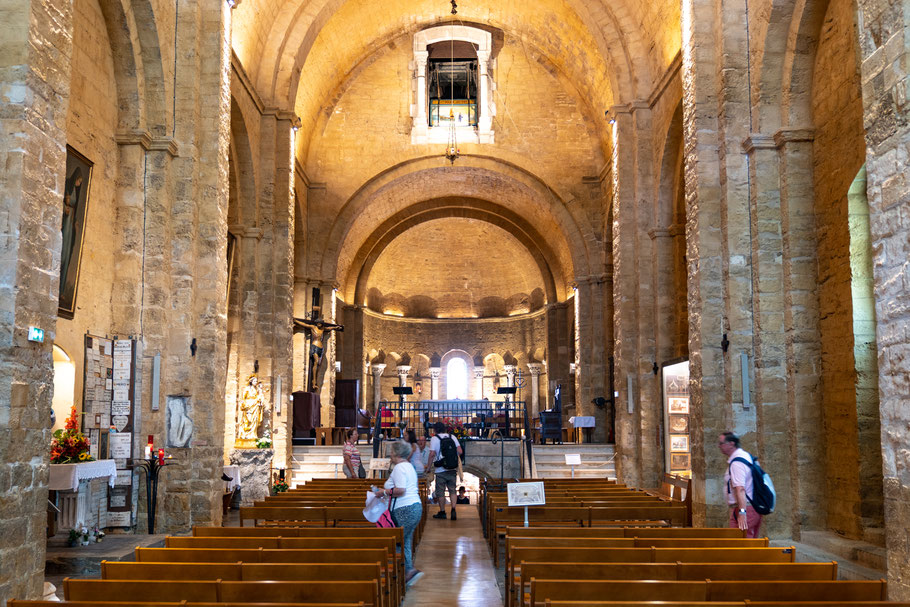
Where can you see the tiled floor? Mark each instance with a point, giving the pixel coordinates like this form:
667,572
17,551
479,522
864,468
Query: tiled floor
457,564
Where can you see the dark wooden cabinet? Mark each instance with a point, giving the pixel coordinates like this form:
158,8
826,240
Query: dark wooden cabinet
306,414
347,397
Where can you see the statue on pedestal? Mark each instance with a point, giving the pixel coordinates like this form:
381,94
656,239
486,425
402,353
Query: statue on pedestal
252,407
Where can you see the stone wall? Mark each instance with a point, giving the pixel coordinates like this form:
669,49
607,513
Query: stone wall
839,153
35,57
91,125
388,340
884,52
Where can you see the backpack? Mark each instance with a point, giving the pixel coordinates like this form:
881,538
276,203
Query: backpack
448,454
764,498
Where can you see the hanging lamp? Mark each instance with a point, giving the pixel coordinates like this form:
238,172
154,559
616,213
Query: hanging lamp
452,152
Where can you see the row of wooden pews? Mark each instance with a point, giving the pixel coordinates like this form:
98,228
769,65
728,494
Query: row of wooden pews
570,558
292,557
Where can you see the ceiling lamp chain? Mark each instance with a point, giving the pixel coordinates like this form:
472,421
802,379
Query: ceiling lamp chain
452,152
454,7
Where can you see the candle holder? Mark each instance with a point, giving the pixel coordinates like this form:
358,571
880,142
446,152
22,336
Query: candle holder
152,468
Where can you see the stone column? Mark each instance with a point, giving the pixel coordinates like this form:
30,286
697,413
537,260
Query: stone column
34,70
377,386
403,371
485,116
534,369
478,382
510,374
435,372
421,124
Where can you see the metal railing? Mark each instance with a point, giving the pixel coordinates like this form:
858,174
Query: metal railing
475,417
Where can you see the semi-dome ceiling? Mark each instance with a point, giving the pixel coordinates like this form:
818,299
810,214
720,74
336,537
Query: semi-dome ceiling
455,268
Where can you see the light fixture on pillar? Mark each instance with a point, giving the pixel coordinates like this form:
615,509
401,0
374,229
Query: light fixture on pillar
296,123
234,3
607,116
452,152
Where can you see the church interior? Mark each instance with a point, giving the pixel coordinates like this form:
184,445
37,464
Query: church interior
626,227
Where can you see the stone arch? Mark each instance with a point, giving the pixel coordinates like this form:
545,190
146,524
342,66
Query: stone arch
295,29
247,214
133,33
799,63
356,288
514,188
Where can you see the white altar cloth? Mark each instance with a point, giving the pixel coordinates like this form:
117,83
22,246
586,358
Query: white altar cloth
582,421
234,473
66,477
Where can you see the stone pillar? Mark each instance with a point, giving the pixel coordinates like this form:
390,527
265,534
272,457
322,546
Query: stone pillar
403,371
421,121
510,374
800,276
885,48
34,71
435,372
377,385
534,369
640,461
478,382
485,116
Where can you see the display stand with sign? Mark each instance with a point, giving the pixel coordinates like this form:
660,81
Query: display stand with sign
573,459
675,385
378,465
337,460
526,494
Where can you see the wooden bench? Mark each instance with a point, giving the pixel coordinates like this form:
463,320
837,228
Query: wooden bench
218,591
745,603
639,555
21,603
729,591
694,532
263,555
248,572
669,571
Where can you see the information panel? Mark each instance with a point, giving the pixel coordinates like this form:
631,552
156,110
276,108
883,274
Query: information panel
677,448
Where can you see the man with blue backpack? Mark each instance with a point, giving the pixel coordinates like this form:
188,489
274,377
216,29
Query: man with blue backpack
749,490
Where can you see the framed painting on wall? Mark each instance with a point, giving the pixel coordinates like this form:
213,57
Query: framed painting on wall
679,443
76,190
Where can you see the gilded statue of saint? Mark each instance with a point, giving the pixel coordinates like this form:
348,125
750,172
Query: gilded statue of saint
252,405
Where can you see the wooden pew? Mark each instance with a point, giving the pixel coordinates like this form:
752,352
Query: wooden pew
639,555
22,603
218,591
746,603
703,532
250,572
721,591
263,555
670,571
394,532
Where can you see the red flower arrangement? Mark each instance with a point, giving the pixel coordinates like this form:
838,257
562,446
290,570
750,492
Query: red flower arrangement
70,446
455,426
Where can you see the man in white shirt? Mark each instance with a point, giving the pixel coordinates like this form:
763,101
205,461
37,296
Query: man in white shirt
446,472
738,486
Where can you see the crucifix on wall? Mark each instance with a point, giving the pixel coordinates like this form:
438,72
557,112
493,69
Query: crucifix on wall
317,328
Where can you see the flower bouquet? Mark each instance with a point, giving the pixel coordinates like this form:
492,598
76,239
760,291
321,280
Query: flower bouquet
280,486
455,427
69,446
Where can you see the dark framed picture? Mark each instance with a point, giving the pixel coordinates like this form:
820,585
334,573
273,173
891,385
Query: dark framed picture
76,191
679,461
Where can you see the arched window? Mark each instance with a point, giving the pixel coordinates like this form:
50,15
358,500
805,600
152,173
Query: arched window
456,379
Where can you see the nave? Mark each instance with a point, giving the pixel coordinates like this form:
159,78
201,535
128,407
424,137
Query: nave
595,543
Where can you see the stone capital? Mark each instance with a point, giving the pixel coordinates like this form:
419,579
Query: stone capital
535,369
378,369
435,372
148,142
420,59
757,141
478,373
240,231
403,370
785,136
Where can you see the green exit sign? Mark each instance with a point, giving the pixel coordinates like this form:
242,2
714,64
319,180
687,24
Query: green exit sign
36,334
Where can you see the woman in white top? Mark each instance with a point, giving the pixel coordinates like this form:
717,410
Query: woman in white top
406,506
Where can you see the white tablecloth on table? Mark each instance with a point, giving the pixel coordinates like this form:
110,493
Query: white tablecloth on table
234,473
66,477
582,421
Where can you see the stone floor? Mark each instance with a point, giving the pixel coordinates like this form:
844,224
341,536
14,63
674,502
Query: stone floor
457,565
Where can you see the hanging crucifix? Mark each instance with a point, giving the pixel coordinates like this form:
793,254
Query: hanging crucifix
317,328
